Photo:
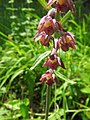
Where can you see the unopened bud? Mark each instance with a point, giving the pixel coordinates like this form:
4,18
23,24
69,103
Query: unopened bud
52,13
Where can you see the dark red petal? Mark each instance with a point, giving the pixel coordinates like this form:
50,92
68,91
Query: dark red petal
65,47
57,45
49,82
45,63
52,57
61,63
59,26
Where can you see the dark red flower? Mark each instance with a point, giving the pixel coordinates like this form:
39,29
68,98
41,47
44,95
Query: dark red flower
47,24
66,40
43,37
48,77
62,5
53,62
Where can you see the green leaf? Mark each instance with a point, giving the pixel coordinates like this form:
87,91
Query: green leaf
86,90
29,80
57,115
66,16
74,23
40,58
2,34
24,111
87,113
10,71
26,101
79,111
15,46
12,44
43,3
62,77
18,72
36,119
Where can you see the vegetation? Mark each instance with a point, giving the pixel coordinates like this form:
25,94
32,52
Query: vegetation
22,96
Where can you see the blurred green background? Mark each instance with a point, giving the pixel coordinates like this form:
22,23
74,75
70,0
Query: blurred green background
21,94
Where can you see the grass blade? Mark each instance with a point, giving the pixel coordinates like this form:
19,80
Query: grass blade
39,59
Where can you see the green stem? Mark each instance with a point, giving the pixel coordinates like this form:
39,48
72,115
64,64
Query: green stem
64,103
64,106
47,101
57,16
55,98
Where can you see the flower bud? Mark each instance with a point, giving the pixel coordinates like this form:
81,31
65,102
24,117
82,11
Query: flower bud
52,13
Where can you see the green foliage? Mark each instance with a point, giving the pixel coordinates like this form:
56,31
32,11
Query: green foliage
21,95
24,111
11,109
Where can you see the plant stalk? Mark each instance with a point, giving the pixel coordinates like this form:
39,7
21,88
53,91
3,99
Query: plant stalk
47,101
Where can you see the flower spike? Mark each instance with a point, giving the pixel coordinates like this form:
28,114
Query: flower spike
47,29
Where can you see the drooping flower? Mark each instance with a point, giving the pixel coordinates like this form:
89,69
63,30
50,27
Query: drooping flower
53,62
48,77
43,37
62,5
47,24
65,5
66,40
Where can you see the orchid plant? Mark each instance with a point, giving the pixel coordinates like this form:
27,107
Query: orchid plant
48,26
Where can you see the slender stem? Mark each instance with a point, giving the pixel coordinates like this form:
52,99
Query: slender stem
64,106
53,43
55,98
47,101
57,16
64,103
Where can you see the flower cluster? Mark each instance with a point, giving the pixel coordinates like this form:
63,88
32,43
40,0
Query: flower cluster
48,26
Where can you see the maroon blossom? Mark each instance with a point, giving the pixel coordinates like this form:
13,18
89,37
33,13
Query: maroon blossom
53,62
62,5
43,37
48,77
65,5
47,24
66,40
